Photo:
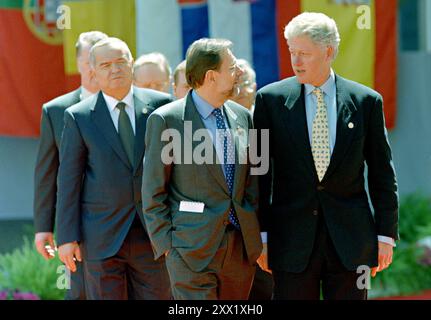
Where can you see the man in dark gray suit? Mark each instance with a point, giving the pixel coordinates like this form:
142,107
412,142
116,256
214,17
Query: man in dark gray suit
45,174
322,235
202,215
99,201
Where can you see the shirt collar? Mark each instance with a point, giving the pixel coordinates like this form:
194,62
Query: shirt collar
112,102
328,87
203,107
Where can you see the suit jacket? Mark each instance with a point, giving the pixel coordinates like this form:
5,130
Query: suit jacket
45,174
196,236
98,189
291,196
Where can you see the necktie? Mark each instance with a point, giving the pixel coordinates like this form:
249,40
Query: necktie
126,132
320,136
228,160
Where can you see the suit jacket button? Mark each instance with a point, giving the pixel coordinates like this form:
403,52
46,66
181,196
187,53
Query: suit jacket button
320,187
315,212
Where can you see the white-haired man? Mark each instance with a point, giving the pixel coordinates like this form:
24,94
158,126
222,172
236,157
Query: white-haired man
152,71
179,84
99,203
323,129
247,86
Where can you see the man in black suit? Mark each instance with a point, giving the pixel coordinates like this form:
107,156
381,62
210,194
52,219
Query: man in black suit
322,130
99,200
45,174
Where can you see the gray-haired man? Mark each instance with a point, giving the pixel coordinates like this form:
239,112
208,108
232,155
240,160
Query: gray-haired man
313,203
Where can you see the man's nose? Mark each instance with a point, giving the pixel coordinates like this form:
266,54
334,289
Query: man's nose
296,60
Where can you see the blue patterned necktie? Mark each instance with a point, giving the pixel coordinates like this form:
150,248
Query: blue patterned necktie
228,159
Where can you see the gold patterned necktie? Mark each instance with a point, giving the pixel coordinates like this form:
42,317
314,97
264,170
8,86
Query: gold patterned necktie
320,136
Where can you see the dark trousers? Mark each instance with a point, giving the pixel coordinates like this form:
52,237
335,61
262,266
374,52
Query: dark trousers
263,285
324,271
229,275
131,274
77,288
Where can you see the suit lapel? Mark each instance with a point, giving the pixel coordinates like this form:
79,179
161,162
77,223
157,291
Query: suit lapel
239,136
142,111
296,124
346,125
191,114
103,122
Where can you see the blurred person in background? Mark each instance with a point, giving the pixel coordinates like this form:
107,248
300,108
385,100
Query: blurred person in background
180,85
247,86
152,71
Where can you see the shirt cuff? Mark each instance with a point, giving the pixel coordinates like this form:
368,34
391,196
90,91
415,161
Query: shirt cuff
387,240
264,236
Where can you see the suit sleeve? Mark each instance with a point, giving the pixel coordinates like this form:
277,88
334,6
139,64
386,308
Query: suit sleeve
155,183
382,182
261,121
73,154
45,177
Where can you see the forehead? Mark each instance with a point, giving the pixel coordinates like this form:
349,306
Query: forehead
150,70
110,52
302,43
228,58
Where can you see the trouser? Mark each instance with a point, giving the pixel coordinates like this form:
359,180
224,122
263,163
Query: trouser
228,276
132,273
325,271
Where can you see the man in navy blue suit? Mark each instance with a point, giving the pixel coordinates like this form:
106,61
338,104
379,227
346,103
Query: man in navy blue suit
313,203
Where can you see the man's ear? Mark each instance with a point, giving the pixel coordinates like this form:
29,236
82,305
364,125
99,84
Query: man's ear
210,76
330,52
92,72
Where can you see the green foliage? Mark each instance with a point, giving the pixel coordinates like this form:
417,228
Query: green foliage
415,217
407,275
25,270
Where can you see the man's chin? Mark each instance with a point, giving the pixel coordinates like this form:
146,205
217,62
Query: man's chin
301,80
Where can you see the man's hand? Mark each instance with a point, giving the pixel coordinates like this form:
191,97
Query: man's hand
40,241
385,258
69,253
262,261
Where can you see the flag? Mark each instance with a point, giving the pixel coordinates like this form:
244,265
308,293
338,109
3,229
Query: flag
38,63
31,64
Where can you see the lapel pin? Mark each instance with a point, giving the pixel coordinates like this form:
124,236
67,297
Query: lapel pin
350,125
145,111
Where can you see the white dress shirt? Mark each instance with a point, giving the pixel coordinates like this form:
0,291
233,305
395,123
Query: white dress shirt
115,112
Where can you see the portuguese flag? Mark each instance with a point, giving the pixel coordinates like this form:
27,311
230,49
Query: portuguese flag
31,64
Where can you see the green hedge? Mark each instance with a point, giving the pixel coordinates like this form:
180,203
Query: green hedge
25,270
408,274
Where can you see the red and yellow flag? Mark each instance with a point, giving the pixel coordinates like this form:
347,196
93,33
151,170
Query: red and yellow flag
31,64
